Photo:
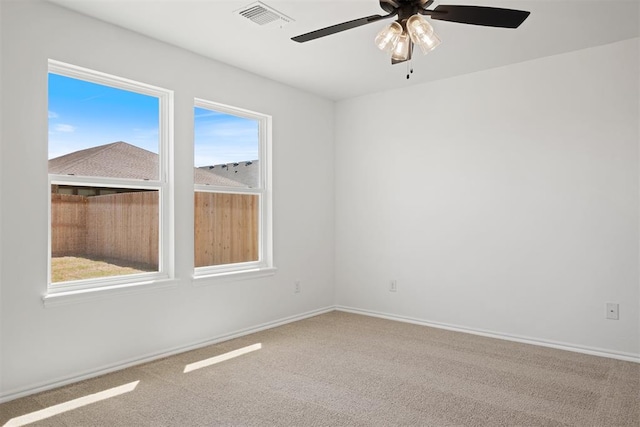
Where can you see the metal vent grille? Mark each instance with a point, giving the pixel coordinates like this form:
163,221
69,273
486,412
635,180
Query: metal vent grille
264,15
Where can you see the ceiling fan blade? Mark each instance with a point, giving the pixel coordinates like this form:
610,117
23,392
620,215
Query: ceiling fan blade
339,27
480,15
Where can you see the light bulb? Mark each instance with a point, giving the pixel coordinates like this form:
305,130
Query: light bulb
401,50
388,37
422,34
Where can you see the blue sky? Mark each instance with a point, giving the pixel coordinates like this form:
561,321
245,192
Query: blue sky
84,115
223,138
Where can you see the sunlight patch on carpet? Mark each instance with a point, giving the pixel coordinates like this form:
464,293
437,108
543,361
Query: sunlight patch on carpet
221,358
70,405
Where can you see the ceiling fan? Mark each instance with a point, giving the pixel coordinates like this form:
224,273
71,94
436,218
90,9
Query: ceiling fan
411,28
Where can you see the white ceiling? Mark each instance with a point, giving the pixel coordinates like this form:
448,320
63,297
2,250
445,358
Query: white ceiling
348,64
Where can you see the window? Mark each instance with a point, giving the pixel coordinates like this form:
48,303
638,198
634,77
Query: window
109,175
232,199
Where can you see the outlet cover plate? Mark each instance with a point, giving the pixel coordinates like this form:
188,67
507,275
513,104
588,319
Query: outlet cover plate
613,312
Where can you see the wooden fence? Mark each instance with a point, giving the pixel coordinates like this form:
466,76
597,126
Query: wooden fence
226,228
120,226
68,225
125,226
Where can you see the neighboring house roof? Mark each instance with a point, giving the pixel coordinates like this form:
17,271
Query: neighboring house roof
246,172
204,177
123,160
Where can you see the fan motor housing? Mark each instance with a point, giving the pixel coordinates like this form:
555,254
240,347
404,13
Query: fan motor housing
404,8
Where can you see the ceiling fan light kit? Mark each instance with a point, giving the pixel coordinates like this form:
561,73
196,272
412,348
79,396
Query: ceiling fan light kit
422,34
399,38
387,39
412,28
402,48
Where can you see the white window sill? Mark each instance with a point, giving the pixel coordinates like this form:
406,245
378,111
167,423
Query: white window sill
81,295
232,276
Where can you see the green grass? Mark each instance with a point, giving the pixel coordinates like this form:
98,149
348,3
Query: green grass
68,268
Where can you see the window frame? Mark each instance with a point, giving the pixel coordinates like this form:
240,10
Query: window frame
264,264
164,184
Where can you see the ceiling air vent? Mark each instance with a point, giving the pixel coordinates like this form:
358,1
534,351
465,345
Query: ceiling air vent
264,15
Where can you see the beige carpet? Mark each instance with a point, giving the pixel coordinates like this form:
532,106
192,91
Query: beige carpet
341,369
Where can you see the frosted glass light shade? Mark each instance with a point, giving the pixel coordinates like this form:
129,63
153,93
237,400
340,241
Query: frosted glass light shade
401,50
422,34
387,38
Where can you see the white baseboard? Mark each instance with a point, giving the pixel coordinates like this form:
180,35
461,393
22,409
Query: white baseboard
629,357
15,394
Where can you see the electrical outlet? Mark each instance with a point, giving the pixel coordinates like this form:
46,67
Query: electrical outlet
393,286
613,310
296,287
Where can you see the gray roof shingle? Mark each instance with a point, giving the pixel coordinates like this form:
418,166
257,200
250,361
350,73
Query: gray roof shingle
123,160
246,172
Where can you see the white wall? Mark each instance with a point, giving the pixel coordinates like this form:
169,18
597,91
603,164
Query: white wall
504,201
43,345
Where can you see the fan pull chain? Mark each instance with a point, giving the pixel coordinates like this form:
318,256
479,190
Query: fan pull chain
409,68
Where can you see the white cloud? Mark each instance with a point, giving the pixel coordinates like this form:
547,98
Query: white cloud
53,115
65,128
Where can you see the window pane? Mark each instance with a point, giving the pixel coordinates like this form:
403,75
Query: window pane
226,149
226,228
102,232
98,130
